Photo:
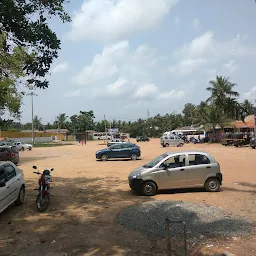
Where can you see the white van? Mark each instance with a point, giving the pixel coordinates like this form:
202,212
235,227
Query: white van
171,140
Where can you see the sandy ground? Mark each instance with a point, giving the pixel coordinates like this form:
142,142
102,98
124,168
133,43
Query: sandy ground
87,194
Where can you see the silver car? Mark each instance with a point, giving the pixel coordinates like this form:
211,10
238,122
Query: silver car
172,140
185,169
12,185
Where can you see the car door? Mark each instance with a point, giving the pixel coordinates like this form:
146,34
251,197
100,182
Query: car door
126,150
175,173
116,151
198,169
12,182
3,190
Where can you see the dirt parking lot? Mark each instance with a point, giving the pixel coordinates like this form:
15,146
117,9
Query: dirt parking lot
88,194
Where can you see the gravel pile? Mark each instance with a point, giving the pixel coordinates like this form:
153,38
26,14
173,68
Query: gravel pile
202,221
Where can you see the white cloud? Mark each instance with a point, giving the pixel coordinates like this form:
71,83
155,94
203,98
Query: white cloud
230,66
146,91
116,88
206,50
116,61
187,66
75,93
196,24
250,95
103,65
173,94
117,19
61,68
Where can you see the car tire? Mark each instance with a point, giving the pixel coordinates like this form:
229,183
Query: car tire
148,188
22,149
20,199
253,147
104,158
134,157
166,145
30,149
212,185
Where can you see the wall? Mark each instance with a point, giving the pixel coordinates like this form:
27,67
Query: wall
27,136
29,139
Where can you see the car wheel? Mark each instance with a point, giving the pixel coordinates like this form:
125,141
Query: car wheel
22,149
134,157
20,199
212,185
104,158
166,145
148,188
253,147
30,149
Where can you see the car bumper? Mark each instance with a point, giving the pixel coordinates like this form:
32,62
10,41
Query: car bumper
219,176
135,184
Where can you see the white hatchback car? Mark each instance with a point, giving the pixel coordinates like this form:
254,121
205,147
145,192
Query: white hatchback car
12,185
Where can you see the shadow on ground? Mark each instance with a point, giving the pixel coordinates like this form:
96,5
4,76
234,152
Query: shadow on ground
25,159
81,220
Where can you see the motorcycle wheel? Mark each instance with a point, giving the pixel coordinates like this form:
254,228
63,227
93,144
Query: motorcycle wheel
42,203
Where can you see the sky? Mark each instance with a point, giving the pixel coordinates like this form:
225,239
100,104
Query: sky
123,58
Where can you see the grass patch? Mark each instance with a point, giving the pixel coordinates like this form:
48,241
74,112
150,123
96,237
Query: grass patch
49,145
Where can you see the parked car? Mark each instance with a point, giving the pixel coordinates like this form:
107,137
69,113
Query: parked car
121,150
6,143
115,141
171,170
253,143
9,153
138,139
23,146
12,185
171,140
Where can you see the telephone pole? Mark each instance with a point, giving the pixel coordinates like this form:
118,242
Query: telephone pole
32,94
105,129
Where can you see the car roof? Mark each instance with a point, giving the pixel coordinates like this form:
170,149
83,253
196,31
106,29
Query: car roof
187,151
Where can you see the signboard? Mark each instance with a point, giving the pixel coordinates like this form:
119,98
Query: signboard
113,131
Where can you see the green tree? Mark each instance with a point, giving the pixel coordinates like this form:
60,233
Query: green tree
247,108
81,122
24,22
189,114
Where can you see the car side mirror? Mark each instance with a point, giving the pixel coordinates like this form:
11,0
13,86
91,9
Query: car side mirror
34,167
2,184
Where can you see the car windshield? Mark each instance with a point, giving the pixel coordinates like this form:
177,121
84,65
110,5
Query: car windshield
155,161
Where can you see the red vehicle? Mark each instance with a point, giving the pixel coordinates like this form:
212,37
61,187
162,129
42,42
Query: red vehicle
43,196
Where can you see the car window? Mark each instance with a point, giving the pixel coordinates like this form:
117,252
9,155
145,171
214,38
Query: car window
2,176
9,172
127,146
175,161
116,147
197,159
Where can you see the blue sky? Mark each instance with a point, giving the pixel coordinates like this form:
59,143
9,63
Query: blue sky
123,57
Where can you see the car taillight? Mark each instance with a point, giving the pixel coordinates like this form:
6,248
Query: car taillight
12,154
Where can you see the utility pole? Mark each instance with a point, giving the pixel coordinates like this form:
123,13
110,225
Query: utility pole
105,129
32,94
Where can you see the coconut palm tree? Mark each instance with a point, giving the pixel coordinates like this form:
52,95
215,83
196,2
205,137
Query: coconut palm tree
221,89
62,118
